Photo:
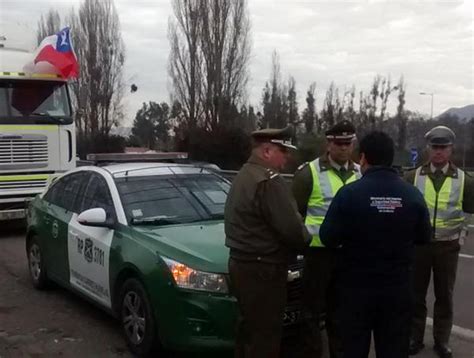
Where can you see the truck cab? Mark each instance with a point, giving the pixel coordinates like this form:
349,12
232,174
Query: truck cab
37,134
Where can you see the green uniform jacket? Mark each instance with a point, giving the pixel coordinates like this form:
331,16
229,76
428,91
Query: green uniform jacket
468,198
303,182
261,218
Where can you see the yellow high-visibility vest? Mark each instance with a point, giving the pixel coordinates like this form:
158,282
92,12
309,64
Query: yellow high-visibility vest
325,186
445,206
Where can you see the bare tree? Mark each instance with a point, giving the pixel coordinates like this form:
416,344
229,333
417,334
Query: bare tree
328,113
225,51
185,58
208,64
100,49
374,94
309,114
49,24
401,116
293,116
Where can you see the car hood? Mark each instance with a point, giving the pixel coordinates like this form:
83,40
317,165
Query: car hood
200,246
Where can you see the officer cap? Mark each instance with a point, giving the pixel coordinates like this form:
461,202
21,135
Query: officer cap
343,131
276,136
440,135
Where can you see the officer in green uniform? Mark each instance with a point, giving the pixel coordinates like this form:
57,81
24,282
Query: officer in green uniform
314,186
263,230
449,194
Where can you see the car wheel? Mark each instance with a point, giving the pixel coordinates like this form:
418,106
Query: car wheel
138,323
36,265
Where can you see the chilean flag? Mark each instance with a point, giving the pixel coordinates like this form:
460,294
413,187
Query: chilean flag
57,50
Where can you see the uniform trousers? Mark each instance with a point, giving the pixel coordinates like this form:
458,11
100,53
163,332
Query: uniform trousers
441,258
260,289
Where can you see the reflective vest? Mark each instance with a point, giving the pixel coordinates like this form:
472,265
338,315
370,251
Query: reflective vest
326,184
445,206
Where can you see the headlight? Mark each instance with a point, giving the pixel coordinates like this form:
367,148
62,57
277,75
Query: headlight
186,277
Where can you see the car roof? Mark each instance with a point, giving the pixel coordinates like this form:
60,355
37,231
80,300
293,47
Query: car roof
150,169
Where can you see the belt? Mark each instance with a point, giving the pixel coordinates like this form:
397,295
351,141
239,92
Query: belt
452,237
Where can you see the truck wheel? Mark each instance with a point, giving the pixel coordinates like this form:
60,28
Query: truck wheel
36,265
138,323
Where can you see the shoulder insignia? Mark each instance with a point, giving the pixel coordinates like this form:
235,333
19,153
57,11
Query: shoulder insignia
302,165
272,174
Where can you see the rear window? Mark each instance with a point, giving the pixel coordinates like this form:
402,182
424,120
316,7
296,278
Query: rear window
173,199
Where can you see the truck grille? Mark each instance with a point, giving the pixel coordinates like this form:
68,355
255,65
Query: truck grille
24,150
6,184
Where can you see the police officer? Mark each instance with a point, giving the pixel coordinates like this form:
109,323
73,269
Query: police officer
448,192
263,229
377,220
314,186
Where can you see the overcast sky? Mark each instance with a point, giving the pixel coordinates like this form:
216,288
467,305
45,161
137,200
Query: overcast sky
430,42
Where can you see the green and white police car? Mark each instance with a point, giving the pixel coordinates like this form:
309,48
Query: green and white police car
146,243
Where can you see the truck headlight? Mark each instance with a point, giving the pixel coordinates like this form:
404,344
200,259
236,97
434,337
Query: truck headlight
186,277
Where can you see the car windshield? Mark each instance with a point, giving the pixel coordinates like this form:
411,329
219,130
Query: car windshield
172,199
34,102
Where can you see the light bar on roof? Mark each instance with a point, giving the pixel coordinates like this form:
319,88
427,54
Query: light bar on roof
135,157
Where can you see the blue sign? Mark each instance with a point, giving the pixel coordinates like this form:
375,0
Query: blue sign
414,155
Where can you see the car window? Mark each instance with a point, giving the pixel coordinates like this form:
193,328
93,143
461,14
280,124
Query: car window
97,195
173,199
65,190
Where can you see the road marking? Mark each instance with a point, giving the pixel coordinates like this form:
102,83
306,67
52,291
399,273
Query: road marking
466,256
461,332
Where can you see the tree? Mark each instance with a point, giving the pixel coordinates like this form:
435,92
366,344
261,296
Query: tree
49,24
274,99
185,58
309,114
151,125
225,47
100,50
401,116
208,63
97,94
329,112
293,116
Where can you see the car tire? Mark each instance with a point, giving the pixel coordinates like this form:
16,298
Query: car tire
137,319
36,266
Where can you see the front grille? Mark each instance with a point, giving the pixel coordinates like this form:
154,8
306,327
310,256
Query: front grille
24,149
22,184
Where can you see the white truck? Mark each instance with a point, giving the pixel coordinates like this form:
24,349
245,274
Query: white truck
37,132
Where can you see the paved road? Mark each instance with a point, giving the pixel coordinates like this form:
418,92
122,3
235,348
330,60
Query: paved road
55,323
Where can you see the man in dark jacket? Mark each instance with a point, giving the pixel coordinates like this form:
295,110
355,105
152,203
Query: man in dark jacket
263,229
377,221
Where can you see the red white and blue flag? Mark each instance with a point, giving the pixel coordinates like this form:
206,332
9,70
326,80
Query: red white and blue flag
57,50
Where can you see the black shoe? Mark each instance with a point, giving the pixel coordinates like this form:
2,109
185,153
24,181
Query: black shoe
443,350
415,347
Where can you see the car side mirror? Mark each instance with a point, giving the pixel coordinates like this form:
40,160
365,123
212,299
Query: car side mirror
95,217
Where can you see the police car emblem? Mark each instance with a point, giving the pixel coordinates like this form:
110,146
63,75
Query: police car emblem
88,245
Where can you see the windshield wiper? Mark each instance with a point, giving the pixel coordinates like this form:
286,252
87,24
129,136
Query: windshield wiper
47,118
155,220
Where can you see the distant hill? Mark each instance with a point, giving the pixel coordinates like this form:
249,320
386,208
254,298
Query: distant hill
466,112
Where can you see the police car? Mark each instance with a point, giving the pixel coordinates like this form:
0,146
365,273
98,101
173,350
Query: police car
145,242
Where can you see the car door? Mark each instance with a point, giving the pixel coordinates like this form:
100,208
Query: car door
89,247
61,204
